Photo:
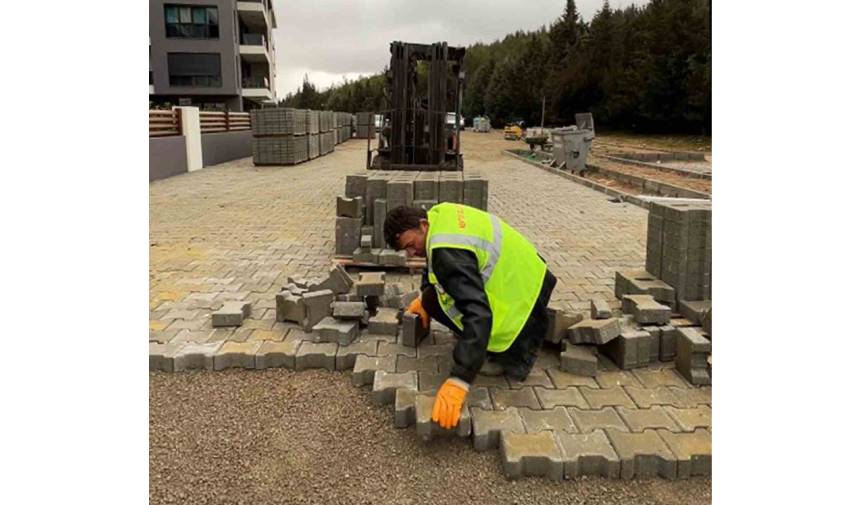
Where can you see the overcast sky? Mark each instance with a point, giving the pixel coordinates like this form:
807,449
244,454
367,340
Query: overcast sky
333,39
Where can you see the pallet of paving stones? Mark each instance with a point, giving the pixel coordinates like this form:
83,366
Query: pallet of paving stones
313,121
279,150
365,125
278,121
368,198
326,140
313,145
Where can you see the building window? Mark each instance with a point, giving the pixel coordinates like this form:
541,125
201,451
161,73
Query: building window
194,69
188,22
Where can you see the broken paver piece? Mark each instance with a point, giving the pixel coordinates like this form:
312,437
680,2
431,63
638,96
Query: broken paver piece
594,331
488,424
643,455
231,314
385,385
317,307
236,355
600,309
536,454
335,330
370,284
579,359
384,322
588,454
427,429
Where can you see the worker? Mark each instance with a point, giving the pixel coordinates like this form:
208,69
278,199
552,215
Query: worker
486,282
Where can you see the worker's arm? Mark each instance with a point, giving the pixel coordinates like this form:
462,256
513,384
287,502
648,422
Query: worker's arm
457,272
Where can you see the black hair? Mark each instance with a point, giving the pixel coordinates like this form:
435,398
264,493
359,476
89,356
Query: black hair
399,220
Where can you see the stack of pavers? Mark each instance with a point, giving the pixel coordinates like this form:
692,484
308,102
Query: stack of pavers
342,127
313,134
367,200
365,127
279,136
326,132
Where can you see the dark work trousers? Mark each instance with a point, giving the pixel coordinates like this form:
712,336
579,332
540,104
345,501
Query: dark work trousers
518,359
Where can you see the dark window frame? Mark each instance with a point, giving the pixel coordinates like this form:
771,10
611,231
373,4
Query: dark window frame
194,79
209,30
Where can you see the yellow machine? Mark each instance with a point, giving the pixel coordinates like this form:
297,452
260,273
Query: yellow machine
513,132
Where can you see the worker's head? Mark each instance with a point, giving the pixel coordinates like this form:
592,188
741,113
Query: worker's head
406,229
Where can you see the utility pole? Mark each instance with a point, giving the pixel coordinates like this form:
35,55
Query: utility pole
542,108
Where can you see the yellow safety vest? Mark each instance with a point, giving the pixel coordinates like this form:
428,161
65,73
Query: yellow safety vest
509,264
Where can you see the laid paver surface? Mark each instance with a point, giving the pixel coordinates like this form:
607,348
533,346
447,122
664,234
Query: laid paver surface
237,232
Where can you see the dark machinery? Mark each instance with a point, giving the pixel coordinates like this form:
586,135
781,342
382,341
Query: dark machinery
421,124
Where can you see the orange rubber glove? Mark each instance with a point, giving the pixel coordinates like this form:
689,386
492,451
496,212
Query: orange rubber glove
416,308
449,402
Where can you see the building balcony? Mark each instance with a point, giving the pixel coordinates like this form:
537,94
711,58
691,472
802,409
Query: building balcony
254,14
253,49
256,88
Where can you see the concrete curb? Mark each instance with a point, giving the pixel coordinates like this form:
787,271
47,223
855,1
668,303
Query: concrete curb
662,188
680,171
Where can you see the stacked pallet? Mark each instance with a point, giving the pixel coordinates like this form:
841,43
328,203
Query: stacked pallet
368,199
285,136
365,127
313,133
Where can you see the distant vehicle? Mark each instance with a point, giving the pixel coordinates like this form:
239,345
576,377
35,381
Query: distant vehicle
513,131
451,119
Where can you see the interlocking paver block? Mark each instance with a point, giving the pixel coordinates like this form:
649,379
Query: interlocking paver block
347,235
316,355
406,363
317,307
616,379
690,397
563,380
277,354
384,322
556,419
691,419
231,314
692,356
588,454
579,360
427,429
478,397
694,310
599,398
350,207
289,307
505,398
668,342
370,284
404,408
651,378
600,309
648,397
536,454
392,349
646,310
536,377
356,185
338,281
236,355
413,330
348,310
594,331
559,321
638,420
385,384
488,424
429,381
347,354
587,420
392,258
706,324
335,330
161,356
643,455
380,209
692,450
568,397
629,350
366,366
194,356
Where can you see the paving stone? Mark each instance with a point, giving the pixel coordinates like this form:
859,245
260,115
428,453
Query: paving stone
600,309
413,330
640,282
651,378
363,255
384,322
317,307
646,310
505,398
554,419
587,420
289,307
385,385
347,235
706,323
536,377
579,359
236,355
638,420
338,281
611,397
348,310
316,355
643,455
692,354
370,284
350,207
427,429
429,381
654,339
161,356
559,321
392,349
392,258
335,330
488,424
266,335
231,314
347,354
569,397
404,408
548,357
588,454
668,342
535,454
356,185
691,419
277,354
366,366
690,397
617,379
439,351
194,356
648,397
399,193
694,310
692,451
407,363
491,381
629,350
478,397
380,209
594,331
563,380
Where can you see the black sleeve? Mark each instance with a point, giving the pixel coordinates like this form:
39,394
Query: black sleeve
425,281
457,272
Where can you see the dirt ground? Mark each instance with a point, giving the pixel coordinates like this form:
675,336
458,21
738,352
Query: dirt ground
277,436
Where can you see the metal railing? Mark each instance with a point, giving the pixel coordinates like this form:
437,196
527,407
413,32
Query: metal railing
255,82
253,39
